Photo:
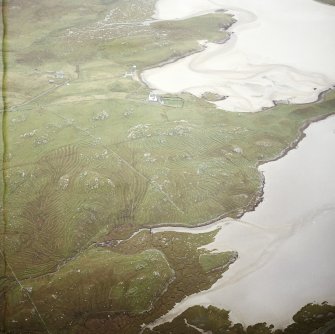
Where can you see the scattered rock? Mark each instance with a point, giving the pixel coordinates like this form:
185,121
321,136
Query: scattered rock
101,116
63,182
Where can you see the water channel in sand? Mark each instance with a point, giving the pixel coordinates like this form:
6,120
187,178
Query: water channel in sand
285,246
278,51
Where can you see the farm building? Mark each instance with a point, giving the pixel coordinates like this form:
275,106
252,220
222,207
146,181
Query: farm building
153,97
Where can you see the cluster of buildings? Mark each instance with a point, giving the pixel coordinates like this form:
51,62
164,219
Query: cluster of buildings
58,75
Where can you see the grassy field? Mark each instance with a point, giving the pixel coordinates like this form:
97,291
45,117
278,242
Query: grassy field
99,281
90,160
124,284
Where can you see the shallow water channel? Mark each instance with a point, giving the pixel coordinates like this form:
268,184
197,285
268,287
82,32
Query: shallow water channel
278,51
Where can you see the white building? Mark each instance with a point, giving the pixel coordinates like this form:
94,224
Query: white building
153,97
59,75
131,72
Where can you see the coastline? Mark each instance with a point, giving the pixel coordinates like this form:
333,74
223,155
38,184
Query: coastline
201,48
319,99
173,60
273,252
251,87
258,197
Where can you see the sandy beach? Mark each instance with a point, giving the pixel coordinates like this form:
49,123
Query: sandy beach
275,53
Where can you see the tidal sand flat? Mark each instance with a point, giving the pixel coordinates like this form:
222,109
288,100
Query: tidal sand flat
286,245
89,161
279,51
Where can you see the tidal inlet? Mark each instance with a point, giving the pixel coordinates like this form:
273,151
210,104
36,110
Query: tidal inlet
167,167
